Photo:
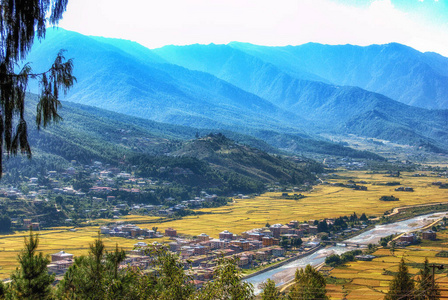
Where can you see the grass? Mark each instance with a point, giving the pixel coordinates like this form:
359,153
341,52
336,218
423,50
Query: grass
324,201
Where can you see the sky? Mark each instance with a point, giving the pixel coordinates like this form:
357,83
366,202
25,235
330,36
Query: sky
421,24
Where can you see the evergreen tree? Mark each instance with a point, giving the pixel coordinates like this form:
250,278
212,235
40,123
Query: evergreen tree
97,276
424,288
270,292
20,22
5,223
309,284
363,217
171,280
227,283
2,290
31,280
402,286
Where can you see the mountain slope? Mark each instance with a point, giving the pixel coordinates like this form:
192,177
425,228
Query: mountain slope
397,71
224,154
111,78
88,134
331,108
220,87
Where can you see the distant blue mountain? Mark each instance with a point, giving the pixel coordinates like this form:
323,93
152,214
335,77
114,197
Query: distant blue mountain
237,87
397,71
331,107
124,77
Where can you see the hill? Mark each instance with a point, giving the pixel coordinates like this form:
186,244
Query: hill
89,134
224,154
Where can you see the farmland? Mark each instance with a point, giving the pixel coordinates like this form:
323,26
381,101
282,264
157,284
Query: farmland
324,201
370,280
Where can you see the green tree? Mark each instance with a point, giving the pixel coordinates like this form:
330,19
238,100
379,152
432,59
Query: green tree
31,280
2,290
227,283
270,292
296,242
392,247
363,217
402,286
5,223
84,280
20,22
424,288
309,284
285,243
333,260
171,280
98,276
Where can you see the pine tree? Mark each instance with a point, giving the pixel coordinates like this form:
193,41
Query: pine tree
172,283
31,280
270,292
20,22
84,280
227,283
424,288
402,286
309,284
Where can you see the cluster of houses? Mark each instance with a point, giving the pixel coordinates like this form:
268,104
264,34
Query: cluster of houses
345,162
105,181
410,238
201,253
129,231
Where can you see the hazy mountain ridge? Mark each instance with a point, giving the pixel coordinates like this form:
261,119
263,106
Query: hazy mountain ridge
113,79
223,88
331,108
397,71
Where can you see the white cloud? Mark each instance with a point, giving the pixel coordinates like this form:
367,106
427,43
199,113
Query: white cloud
157,23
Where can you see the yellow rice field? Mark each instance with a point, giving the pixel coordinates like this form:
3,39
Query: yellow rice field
368,280
323,201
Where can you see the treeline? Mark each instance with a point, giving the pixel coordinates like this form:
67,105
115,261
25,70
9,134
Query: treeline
335,260
340,223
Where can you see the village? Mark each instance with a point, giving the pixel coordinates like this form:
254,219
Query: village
254,250
106,192
97,190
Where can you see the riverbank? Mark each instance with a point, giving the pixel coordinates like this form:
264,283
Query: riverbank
282,263
283,275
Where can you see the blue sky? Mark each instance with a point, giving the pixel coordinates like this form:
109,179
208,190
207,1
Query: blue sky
422,24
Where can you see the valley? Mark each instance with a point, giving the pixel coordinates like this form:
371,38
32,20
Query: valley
271,156
215,150
324,201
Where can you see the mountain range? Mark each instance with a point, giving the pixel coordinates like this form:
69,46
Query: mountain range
285,96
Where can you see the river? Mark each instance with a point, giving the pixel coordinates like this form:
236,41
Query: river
285,273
